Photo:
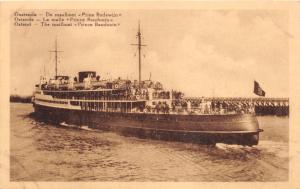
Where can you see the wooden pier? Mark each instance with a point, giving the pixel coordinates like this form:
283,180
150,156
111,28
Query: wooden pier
262,105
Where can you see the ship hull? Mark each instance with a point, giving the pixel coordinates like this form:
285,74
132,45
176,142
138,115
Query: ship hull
240,129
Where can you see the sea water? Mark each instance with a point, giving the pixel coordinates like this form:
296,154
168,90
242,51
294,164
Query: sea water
45,152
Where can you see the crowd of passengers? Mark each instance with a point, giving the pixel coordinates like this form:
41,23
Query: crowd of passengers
187,107
138,91
63,83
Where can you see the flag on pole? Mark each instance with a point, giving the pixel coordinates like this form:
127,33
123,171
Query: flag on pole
258,90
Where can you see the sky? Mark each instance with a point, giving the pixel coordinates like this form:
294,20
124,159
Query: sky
199,52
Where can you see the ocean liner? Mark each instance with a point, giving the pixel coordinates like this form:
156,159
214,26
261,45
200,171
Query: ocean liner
141,108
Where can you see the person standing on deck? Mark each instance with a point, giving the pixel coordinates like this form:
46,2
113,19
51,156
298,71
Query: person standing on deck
189,106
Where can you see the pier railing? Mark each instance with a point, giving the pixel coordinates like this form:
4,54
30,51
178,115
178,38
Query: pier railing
262,105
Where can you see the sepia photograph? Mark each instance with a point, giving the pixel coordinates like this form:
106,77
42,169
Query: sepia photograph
123,94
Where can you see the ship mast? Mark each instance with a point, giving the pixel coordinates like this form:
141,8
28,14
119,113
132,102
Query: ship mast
139,36
56,57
